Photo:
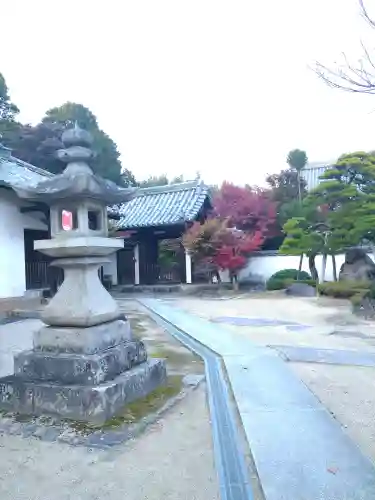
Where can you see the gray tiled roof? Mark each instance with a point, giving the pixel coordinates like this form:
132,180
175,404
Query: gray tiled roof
163,205
18,173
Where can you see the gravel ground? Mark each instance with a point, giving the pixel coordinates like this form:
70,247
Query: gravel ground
172,460
347,391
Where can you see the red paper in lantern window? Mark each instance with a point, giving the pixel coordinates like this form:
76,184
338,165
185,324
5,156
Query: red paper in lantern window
67,220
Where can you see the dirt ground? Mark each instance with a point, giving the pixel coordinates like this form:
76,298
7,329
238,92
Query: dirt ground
347,391
331,324
159,344
172,460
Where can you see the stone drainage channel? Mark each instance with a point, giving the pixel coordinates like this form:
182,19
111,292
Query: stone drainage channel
234,481
298,449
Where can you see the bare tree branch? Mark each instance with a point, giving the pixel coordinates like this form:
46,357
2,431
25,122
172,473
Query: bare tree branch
358,77
365,14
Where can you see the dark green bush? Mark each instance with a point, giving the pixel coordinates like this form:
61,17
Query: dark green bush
345,289
285,277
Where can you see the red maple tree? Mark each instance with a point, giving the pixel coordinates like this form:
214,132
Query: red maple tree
246,208
241,219
233,247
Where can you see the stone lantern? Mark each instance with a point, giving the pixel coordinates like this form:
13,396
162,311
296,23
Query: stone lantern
85,364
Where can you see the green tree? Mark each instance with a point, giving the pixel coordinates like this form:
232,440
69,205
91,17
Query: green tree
297,160
160,180
340,212
177,180
107,160
155,180
348,194
286,186
38,144
70,113
8,110
303,238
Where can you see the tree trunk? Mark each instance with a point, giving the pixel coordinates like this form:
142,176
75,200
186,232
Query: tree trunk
235,284
214,274
312,267
324,266
300,266
334,268
300,203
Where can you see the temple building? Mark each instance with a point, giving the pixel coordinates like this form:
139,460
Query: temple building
21,224
150,224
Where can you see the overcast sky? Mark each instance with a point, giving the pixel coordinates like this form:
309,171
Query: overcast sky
219,87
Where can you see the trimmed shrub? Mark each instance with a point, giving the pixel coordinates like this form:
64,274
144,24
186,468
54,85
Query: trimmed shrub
345,289
285,277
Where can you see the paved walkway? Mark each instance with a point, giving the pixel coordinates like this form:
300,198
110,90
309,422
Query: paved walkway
299,449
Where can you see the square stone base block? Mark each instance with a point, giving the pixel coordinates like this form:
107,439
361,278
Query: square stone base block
94,404
90,340
81,369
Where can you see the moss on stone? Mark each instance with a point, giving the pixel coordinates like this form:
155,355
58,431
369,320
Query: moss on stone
135,411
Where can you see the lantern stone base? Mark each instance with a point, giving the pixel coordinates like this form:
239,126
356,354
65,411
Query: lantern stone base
86,369
86,374
94,404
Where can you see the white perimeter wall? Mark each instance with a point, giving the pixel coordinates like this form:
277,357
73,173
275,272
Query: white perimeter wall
12,247
262,266
110,268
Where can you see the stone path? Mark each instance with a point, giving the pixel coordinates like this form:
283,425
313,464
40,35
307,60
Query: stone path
299,449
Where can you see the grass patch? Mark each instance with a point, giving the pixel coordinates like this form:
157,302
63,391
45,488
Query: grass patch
135,411
172,356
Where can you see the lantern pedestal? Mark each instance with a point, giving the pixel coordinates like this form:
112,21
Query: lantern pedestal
85,364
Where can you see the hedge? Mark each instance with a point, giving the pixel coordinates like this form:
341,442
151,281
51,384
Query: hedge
345,289
285,277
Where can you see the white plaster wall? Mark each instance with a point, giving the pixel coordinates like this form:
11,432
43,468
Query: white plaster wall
12,250
261,267
110,268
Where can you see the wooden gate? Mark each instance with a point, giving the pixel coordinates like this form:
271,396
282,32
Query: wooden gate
125,266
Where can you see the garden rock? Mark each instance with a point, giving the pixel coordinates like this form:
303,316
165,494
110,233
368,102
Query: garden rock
365,309
358,266
300,290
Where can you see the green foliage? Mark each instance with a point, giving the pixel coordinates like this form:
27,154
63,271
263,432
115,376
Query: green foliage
281,279
38,144
290,274
301,237
200,239
8,110
284,186
155,180
344,289
160,180
297,159
348,193
107,160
